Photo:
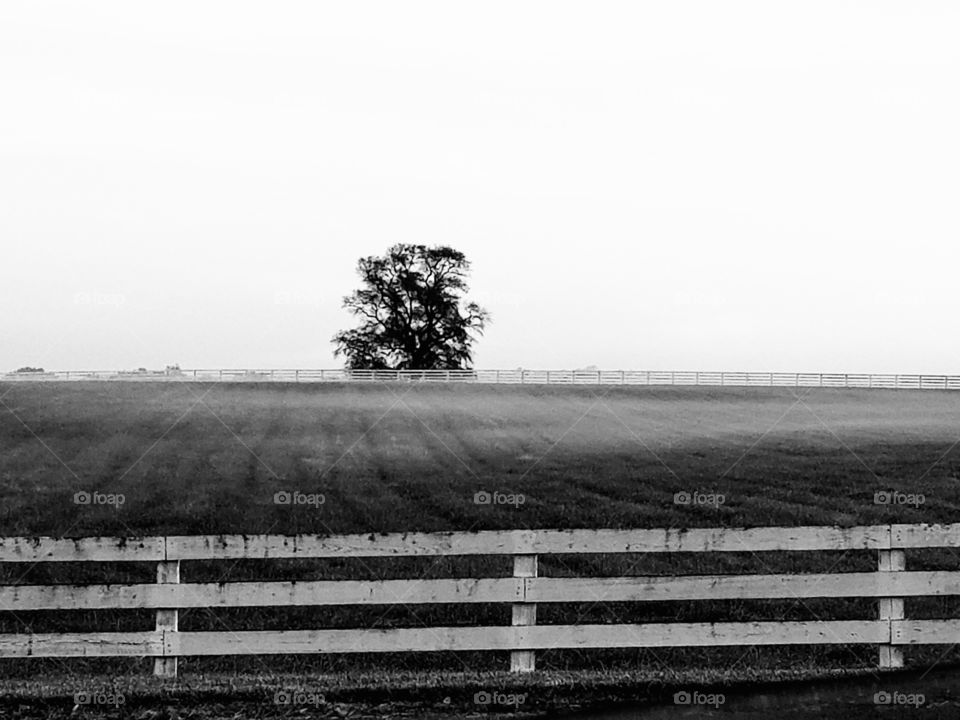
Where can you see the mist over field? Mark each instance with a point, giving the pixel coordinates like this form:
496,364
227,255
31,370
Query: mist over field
209,458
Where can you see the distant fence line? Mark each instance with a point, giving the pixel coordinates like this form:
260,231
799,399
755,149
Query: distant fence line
518,377
888,628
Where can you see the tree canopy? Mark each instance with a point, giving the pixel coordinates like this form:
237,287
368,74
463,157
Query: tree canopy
412,312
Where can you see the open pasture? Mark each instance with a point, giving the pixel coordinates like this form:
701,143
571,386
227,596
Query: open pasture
211,458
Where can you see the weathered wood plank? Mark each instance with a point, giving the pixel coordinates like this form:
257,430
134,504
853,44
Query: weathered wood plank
182,644
891,608
925,632
20,598
925,536
739,587
370,545
506,542
260,594
106,644
529,542
524,614
760,539
102,549
46,549
167,619
526,638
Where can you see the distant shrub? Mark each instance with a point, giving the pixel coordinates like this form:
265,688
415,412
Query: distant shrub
28,369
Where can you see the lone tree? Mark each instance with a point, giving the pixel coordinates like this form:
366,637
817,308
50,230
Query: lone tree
411,312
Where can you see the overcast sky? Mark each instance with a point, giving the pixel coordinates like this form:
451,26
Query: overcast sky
670,185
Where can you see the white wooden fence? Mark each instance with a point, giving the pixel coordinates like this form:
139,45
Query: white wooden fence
890,584
519,377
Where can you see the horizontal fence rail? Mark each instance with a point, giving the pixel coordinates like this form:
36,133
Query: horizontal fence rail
889,584
514,377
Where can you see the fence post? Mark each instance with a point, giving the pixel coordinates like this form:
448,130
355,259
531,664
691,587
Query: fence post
167,572
891,656
524,614
623,377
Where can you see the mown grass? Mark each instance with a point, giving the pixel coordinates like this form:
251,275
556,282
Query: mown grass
209,459
195,458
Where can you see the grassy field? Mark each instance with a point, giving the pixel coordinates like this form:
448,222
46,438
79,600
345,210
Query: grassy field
194,458
209,458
